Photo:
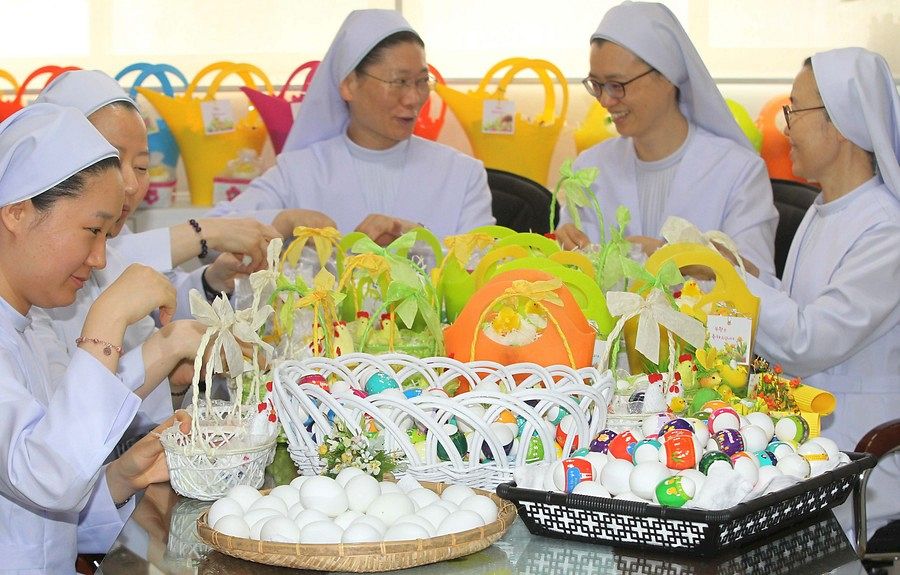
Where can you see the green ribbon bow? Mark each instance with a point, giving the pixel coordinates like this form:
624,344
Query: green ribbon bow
576,185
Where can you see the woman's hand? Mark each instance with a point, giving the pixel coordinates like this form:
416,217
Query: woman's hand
239,236
220,274
144,463
287,220
384,229
648,245
570,237
136,293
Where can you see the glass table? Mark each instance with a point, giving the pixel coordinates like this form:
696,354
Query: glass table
161,537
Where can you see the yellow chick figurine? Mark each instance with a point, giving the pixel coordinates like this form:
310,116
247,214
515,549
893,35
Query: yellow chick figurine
506,321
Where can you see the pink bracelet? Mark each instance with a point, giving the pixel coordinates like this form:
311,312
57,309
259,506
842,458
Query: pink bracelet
107,347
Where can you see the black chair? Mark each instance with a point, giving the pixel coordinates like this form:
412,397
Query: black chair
792,200
519,203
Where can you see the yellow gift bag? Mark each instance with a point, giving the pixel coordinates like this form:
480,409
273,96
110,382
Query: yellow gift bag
500,136
729,290
207,135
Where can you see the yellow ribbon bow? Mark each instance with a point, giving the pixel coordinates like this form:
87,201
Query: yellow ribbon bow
653,311
537,291
325,240
374,265
464,245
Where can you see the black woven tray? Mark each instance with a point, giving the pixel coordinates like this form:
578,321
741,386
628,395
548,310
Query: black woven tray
633,524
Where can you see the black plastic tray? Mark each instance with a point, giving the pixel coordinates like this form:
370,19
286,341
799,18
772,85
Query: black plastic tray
642,525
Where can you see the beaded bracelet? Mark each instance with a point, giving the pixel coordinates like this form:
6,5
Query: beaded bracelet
204,249
107,347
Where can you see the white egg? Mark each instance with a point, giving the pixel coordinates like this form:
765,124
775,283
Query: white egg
644,478
416,520
321,532
390,506
629,496
461,520
406,532
478,414
457,493
257,526
223,507
290,495
782,449
763,421
362,490
651,425
325,494
251,517
308,516
755,438
795,465
299,480
280,530
346,518
767,474
695,475
423,497
592,488
747,468
389,487
481,505
243,494
614,476
361,533
233,526
598,461
347,474
294,510
434,513
373,522
830,447
270,502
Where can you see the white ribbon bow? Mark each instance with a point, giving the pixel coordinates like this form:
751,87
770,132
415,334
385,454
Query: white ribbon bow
677,230
220,321
652,312
262,282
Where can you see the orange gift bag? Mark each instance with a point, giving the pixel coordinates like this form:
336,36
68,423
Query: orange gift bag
10,107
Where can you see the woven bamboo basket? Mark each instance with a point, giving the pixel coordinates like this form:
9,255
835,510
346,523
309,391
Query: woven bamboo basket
365,557
527,390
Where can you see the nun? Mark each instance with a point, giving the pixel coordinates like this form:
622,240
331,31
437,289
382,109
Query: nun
60,194
116,116
680,151
834,320
351,155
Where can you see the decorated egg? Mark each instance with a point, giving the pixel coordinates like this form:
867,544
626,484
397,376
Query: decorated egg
675,491
598,462
316,379
792,428
816,456
646,450
680,450
477,412
701,397
723,418
765,458
380,381
780,449
505,436
653,422
600,444
459,441
556,414
828,445
714,460
729,441
564,429
535,450
645,477
570,472
615,476
621,445
677,423
755,438
795,465
696,476
745,464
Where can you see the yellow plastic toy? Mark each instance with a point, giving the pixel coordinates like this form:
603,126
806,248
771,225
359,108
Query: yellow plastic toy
528,149
206,155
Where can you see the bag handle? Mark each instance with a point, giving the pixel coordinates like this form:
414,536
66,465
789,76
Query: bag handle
11,79
53,72
312,65
426,107
225,69
159,71
543,69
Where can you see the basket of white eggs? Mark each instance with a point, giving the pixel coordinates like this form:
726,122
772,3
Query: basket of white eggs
354,523
688,485
508,416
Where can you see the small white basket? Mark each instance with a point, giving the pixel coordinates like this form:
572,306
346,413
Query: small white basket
224,455
527,390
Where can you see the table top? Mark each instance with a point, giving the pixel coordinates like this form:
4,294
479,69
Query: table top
161,537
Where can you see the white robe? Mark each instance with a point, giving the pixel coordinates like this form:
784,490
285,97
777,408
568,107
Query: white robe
441,188
53,494
718,185
56,330
835,321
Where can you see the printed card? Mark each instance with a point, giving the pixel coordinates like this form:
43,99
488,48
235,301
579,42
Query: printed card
499,117
730,336
218,117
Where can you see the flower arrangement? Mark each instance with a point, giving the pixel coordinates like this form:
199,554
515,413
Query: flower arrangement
773,389
342,449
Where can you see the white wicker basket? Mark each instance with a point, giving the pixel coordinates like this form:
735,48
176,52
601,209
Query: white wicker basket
527,390
224,455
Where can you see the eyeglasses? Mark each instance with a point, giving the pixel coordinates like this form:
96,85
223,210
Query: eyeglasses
788,111
613,89
421,85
